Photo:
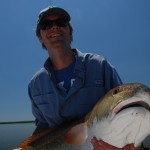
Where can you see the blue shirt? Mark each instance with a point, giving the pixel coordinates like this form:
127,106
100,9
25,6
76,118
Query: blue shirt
65,77
52,106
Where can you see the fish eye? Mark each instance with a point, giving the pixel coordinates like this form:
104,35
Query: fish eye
115,91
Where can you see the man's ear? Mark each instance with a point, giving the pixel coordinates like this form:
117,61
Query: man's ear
40,39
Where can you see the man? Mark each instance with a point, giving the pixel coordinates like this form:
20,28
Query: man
71,82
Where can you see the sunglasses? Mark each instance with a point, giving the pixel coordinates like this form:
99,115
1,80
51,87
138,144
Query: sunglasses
48,24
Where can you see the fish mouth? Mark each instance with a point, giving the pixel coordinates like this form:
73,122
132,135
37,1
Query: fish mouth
129,105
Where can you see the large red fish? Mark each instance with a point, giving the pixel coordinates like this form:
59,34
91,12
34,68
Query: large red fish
121,117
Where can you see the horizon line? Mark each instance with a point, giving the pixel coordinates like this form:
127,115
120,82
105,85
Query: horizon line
13,122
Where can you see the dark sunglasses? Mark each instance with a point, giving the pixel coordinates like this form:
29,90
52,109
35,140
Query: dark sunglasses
47,24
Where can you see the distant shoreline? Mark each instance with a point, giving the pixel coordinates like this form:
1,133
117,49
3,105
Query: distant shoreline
14,122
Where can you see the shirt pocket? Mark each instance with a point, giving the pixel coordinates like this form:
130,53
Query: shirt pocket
44,98
91,95
83,102
47,104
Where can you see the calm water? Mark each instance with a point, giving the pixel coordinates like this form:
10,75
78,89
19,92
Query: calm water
11,135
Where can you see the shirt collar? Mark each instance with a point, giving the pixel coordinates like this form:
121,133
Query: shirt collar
79,65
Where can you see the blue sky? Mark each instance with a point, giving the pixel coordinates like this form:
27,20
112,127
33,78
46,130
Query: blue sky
119,30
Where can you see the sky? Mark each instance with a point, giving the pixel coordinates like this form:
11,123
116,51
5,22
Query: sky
119,30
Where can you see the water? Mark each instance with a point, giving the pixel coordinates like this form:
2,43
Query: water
11,135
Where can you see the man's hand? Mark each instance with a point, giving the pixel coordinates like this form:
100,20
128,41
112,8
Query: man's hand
101,145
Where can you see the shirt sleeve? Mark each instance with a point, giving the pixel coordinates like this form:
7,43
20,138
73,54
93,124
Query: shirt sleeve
39,118
111,77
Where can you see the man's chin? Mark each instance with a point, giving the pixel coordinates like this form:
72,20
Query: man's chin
57,44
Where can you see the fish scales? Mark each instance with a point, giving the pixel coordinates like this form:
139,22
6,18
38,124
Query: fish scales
53,140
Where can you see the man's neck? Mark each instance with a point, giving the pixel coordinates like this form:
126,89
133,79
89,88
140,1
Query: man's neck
61,58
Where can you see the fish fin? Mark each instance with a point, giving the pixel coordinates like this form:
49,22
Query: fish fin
76,134
33,138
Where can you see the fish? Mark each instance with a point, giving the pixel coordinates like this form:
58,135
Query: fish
121,117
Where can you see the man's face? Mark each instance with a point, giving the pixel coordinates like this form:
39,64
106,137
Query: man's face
55,32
